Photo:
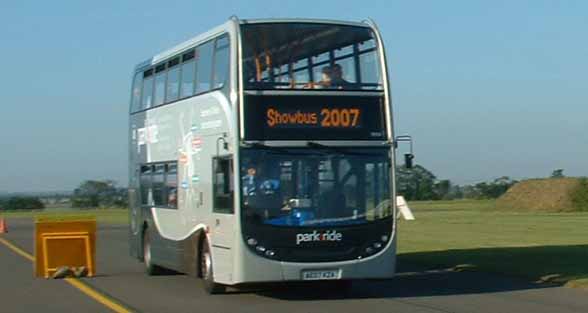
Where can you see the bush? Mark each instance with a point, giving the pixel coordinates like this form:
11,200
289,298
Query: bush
579,195
23,203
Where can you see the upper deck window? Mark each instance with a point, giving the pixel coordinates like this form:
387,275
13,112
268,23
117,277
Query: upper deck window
136,92
204,67
147,95
173,80
310,56
221,61
159,84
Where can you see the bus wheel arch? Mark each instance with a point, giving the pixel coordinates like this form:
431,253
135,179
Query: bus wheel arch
206,267
141,247
150,268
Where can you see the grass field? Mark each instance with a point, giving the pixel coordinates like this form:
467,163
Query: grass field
539,246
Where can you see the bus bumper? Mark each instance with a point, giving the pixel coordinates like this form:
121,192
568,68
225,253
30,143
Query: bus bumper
254,268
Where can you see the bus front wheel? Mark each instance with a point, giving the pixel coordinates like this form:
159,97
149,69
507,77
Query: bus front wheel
207,271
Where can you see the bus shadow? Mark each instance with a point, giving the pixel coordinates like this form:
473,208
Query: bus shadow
454,272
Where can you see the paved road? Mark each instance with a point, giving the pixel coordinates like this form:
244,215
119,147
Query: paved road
121,278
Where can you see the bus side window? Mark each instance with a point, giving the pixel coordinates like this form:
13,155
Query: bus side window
171,183
188,72
136,93
159,84
369,65
221,62
223,185
173,80
158,186
147,95
145,185
204,67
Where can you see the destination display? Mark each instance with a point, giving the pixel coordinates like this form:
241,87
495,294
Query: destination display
314,118
326,117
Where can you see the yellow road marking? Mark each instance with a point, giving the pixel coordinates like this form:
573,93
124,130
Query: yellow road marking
96,295
17,250
74,282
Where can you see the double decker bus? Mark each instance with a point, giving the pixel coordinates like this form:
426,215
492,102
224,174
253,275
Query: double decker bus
263,151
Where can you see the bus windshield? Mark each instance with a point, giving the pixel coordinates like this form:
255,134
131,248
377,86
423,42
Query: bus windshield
315,187
310,56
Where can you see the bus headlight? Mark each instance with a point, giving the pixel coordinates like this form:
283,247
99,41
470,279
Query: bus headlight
369,250
377,245
252,242
384,238
270,253
260,249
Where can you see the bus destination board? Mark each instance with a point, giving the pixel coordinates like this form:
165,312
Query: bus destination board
324,117
314,118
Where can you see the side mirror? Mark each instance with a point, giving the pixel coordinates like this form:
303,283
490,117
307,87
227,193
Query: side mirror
408,157
408,160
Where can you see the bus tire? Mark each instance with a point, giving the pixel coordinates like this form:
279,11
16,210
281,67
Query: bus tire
150,268
207,271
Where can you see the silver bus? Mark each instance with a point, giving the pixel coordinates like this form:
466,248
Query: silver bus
263,151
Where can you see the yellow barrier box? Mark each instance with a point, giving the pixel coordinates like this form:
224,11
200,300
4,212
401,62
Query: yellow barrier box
60,243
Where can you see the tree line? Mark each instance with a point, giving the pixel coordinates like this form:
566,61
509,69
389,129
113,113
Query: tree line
417,183
89,194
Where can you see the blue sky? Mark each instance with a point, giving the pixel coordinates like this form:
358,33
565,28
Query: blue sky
487,88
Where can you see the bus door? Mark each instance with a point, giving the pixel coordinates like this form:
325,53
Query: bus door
223,223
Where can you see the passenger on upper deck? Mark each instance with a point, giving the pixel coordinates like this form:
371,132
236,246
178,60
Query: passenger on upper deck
332,78
325,81
337,80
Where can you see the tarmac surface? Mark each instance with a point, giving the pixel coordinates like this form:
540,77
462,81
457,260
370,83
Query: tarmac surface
121,280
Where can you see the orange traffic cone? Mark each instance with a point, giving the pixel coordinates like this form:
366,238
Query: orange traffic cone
3,227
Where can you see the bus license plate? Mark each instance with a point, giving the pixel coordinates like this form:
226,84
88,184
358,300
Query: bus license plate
321,275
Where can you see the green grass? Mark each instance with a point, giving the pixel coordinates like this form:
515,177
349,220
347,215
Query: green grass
539,246
107,216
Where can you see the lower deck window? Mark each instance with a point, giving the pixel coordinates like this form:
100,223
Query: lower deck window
159,183
223,185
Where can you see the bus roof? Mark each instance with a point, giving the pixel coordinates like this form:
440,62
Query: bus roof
194,41
302,20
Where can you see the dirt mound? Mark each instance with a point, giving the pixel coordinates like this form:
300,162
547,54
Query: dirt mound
549,195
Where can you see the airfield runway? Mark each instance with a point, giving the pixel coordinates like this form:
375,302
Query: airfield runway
121,286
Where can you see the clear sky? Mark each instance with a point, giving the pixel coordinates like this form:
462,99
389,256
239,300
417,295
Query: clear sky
487,88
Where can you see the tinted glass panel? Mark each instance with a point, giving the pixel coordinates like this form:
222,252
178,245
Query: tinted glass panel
223,186
171,182
173,84
221,65
188,56
305,187
145,182
345,69
136,92
158,185
159,88
147,95
344,51
204,67
187,86
275,56
368,44
370,71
